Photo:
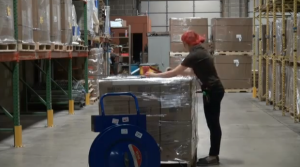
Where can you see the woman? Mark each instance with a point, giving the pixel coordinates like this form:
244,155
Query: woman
200,63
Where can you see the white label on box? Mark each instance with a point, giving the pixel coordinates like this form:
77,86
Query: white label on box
125,119
138,134
115,121
124,131
239,36
236,62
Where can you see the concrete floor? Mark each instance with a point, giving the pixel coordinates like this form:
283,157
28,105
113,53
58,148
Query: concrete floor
253,136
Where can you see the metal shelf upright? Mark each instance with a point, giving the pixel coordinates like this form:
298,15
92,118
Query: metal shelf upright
274,7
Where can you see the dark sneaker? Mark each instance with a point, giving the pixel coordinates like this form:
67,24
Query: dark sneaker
208,162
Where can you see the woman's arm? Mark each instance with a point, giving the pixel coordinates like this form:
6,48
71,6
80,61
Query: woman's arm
168,74
188,72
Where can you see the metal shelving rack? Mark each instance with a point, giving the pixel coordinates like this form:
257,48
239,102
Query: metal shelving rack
128,28
18,56
272,8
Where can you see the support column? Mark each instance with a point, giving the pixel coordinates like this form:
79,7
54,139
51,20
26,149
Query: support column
70,83
283,59
295,64
16,107
254,91
48,94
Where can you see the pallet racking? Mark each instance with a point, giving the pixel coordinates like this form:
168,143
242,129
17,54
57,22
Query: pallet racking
274,8
16,57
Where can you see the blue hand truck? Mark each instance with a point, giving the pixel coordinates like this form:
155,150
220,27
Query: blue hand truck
123,140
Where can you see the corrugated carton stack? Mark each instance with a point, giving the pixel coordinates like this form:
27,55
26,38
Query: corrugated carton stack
231,39
6,22
41,21
66,22
55,23
180,25
25,25
170,108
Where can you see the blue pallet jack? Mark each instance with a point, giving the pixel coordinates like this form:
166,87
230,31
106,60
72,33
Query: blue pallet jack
123,140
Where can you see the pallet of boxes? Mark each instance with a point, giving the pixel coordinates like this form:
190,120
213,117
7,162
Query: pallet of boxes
232,46
178,26
169,104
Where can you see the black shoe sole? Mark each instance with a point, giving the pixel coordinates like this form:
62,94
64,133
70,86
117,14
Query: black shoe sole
211,164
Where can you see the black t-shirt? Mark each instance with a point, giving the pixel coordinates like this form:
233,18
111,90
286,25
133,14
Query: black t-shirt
203,66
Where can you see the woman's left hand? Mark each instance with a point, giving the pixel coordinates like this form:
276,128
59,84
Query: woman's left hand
149,74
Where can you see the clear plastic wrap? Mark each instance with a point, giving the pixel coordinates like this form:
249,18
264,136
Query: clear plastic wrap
66,21
55,23
288,87
170,106
232,34
41,21
279,46
270,51
95,67
270,81
298,36
278,83
107,21
289,39
80,14
25,22
6,22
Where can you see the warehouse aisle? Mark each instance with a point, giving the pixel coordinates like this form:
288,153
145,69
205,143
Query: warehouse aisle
253,135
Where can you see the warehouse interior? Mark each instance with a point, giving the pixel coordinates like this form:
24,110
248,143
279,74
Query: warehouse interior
61,58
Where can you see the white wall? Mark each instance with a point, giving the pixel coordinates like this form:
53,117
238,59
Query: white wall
161,11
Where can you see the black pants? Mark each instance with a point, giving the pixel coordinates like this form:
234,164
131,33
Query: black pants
212,106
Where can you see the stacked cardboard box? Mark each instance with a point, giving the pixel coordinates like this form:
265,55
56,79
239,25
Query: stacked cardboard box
180,25
176,58
66,21
170,108
232,34
6,22
41,21
55,25
25,25
234,71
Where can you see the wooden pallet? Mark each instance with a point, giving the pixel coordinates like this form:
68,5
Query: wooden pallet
57,47
8,47
43,47
26,47
93,100
79,48
238,90
233,53
68,48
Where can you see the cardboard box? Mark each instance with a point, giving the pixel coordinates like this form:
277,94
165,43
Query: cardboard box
153,127
234,71
177,114
232,34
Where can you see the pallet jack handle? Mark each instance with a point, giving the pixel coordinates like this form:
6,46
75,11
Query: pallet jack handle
120,94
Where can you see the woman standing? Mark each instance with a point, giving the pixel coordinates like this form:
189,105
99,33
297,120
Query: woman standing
200,63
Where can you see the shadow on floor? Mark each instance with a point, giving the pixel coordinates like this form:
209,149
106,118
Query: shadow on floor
26,120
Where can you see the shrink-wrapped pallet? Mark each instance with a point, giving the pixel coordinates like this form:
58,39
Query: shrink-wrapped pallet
95,69
55,21
41,21
25,23
6,22
66,21
169,104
